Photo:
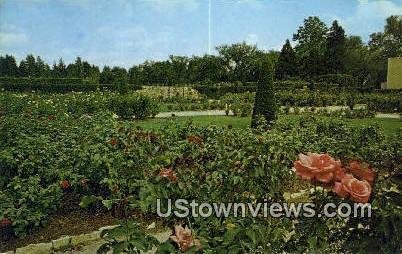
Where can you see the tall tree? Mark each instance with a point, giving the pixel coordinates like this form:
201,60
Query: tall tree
8,66
388,42
238,59
287,62
310,48
106,76
335,50
61,70
383,45
27,67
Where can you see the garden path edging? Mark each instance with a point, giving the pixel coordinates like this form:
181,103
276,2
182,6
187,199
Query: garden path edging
63,243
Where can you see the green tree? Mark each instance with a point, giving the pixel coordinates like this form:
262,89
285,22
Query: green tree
356,59
60,71
287,62
238,59
27,67
389,42
179,65
335,50
8,66
265,104
310,48
383,45
106,76
42,69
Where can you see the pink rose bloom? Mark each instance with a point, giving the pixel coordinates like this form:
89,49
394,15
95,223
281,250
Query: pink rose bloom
169,174
184,238
358,191
321,167
361,171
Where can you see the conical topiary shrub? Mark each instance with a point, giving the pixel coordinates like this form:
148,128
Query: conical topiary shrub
264,104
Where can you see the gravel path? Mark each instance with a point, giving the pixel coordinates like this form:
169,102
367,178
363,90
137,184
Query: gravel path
222,113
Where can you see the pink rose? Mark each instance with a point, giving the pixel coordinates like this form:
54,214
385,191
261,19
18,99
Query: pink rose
321,167
361,171
169,174
184,238
358,191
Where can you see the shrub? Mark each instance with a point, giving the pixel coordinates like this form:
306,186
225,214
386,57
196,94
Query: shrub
264,103
341,80
137,106
58,85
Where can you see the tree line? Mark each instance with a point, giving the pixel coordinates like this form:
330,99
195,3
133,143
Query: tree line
318,50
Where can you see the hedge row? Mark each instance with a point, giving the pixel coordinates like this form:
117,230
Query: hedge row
340,80
218,90
62,88
377,102
323,83
40,81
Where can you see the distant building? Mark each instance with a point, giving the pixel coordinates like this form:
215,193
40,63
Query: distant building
394,77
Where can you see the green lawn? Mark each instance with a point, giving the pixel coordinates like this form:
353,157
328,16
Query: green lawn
390,126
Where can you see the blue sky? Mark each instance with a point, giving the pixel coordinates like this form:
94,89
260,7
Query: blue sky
127,32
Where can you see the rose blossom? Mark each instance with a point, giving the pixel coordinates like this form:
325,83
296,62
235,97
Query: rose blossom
184,238
359,191
361,172
169,174
321,167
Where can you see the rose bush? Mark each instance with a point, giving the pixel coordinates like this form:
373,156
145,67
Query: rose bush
121,163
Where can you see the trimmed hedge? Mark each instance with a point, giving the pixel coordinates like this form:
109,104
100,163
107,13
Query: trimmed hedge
40,81
57,85
337,80
220,89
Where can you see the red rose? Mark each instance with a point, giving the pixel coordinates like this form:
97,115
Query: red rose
321,167
65,184
5,222
113,141
169,174
195,140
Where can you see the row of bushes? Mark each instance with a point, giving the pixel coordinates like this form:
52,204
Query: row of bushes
58,85
218,90
40,81
124,105
377,102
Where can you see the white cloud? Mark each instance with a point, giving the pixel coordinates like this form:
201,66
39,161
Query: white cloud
252,39
168,5
371,15
12,38
10,34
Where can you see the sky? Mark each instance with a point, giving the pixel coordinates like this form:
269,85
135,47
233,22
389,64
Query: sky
128,32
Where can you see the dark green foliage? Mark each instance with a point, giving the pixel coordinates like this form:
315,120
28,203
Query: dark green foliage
342,81
264,103
8,66
130,106
219,89
335,51
287,63
310,48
